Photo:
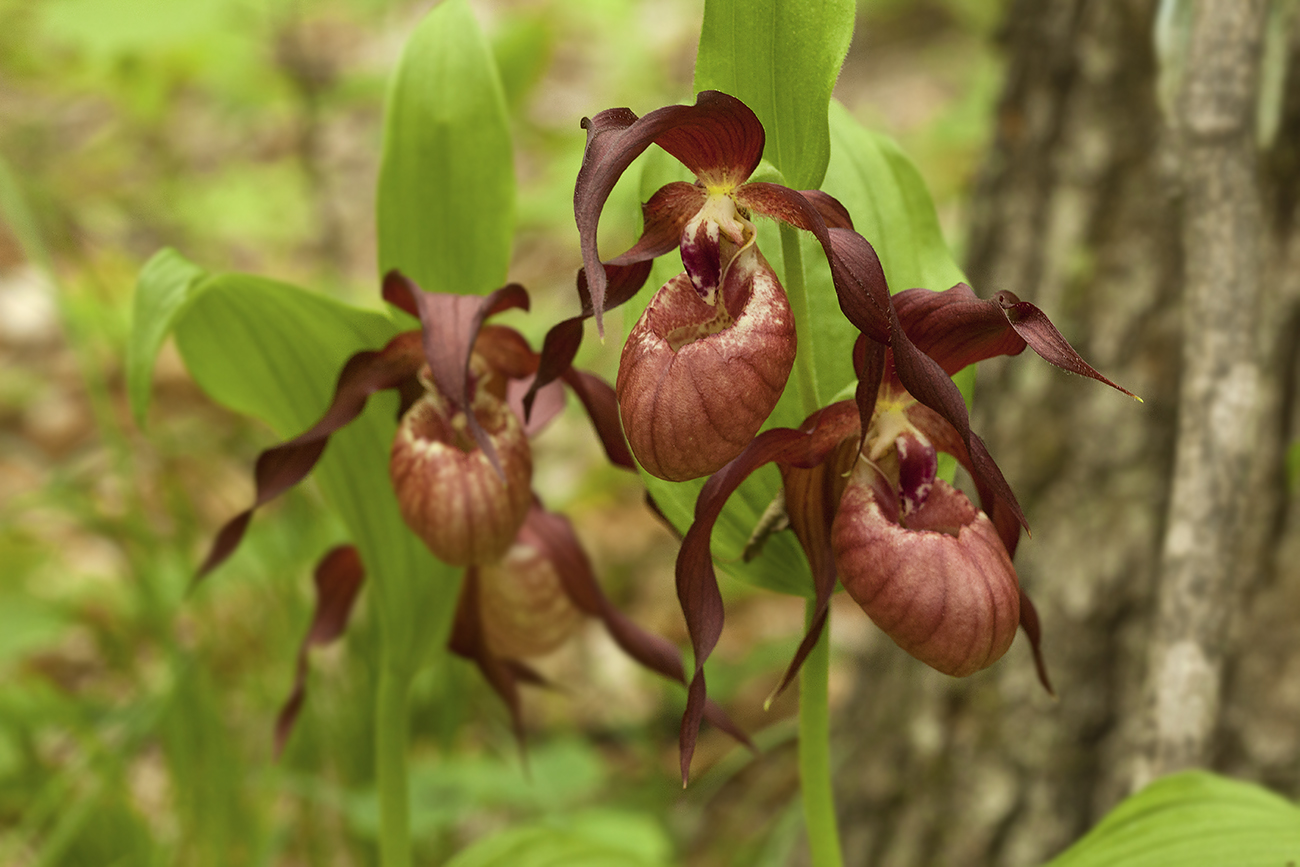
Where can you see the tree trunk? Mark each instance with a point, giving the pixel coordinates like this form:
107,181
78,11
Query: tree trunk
1080,209
1214,126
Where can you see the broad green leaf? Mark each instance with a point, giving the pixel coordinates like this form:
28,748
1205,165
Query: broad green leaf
446,182
892,209
781,567
781,58
593,838
274,351
890,205
1193,819
166,286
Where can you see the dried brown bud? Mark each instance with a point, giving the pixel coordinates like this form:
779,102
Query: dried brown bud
448,490
697,379
934,576
524,607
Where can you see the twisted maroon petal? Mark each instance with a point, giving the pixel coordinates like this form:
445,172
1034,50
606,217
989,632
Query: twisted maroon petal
834,214
812,496
561,344
338,580
664,217
869,360
469,641
280,468
451,324
697,582
956,328
859,279
1029,623
1033,326
601,403
810,210
718,138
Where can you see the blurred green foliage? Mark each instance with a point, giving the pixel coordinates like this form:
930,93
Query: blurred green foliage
136,713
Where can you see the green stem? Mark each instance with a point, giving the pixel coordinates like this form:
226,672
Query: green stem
392,731
815,753
797,291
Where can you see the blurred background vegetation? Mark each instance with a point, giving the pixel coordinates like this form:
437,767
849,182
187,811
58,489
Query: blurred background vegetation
135,715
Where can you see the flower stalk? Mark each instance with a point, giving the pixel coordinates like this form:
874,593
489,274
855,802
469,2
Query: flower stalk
796,289
815,751
392,736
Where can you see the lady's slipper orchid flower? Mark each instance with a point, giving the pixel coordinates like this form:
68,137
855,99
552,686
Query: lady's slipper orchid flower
461,469
704,366
533,599
465,509
931,570
455,376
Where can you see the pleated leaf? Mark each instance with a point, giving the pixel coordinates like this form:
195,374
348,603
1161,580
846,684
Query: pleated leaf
166,286
781,59
890,204
589,838
446,181
1193,819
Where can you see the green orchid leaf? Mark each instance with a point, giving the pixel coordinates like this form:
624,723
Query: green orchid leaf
446,182
167,285
890,204
892,209
781,566
1193,819
274,352
782,61
589,838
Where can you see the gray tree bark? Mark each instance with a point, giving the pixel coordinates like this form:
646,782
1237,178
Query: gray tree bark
1081,209
1219,399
